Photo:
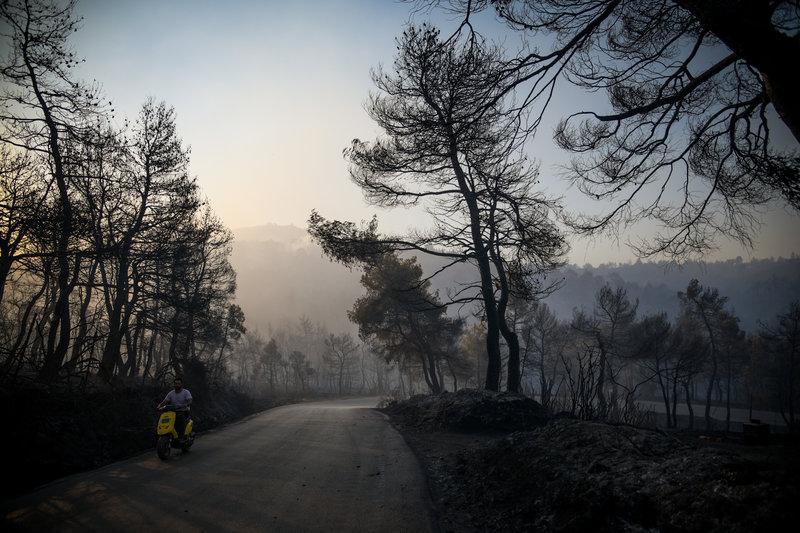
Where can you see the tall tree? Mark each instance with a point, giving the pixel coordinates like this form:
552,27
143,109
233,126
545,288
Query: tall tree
691,358
43,108
301,369
695,88
233,329
653,348
156,171
404,319
270,360
545,339
784,336
756,373
614,314
452,145
732,349
340,356
704,307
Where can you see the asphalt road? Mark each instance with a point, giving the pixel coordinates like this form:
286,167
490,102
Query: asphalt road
326,466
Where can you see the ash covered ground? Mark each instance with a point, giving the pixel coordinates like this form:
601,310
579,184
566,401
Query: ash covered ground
500,462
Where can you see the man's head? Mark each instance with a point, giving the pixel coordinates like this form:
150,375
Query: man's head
178,384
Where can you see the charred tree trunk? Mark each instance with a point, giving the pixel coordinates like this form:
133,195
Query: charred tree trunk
493,369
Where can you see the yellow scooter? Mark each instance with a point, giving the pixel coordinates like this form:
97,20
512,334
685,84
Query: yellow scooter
168,437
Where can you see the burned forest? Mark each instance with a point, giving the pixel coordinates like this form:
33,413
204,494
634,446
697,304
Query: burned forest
403,328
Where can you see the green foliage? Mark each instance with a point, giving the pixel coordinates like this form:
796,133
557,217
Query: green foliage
403,320
345,242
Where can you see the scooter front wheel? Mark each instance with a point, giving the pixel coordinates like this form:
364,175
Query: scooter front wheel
163,447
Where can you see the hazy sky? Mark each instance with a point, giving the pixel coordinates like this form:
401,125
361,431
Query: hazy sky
269,93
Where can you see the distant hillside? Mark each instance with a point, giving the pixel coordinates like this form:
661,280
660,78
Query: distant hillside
286,234
283,275
756,290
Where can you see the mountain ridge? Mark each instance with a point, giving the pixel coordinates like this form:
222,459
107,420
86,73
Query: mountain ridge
283,275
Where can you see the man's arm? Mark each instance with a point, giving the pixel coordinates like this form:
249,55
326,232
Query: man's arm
163,402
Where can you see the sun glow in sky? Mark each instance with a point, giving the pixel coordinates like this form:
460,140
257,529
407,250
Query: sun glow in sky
269,93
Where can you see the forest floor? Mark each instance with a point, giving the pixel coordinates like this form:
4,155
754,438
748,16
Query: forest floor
499,462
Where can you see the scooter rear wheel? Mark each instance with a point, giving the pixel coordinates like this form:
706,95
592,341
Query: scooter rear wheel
163,447
187,443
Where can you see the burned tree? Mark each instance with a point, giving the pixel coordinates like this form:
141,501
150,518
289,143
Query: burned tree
155,171
545,339
340,358
704,307
698,89
783,338
452,145
43,109
605,329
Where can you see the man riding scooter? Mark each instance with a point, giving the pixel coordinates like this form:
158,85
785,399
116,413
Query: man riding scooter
181,398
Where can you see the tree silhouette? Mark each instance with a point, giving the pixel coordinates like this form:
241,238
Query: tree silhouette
155,169
784,336
694,85
340,356
44,107
405,321
704,306
654,347
732,349
545,339
22,201
613,316
451,145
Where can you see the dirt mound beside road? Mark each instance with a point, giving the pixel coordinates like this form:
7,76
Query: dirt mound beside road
523,471
469,410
